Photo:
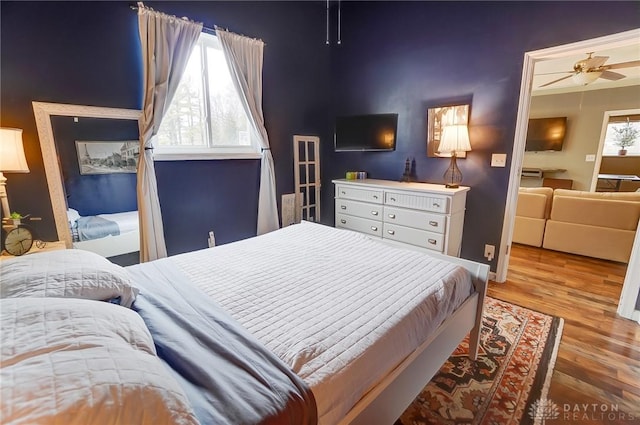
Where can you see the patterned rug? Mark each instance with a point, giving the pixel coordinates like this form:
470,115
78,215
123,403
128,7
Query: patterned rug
515,362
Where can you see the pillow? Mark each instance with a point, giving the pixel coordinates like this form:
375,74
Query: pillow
72,361
72,216
67,273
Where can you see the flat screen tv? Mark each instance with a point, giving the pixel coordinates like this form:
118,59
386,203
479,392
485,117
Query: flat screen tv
546,134
374,132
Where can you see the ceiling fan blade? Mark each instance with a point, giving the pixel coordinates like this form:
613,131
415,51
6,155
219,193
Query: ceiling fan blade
595,62
554,73
555,81
613,76
623,65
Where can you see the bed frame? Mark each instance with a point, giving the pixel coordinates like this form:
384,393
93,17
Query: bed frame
110,246
386,401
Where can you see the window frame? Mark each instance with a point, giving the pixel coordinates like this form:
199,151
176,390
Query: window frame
179,153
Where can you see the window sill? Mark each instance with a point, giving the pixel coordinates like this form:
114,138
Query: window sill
203,156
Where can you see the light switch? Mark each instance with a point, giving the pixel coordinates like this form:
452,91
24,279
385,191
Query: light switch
499,160
590,158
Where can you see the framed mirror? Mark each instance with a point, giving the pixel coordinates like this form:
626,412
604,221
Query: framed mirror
45,114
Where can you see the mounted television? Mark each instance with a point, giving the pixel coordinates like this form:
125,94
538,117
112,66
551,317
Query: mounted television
375,132
546,134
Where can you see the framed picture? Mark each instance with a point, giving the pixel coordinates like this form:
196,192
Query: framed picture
437,118
108,157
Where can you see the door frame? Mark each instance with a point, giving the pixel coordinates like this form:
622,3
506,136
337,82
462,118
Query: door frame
530,59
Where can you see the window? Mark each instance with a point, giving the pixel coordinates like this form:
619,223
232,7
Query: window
206,118
619,129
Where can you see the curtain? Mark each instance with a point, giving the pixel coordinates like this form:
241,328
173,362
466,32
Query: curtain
166,42
244,58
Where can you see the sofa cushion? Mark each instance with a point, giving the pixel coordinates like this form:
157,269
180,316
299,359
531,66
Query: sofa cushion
619,196
546,191
531,205
603,212
528,231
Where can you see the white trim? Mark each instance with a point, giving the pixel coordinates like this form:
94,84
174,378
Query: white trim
191,156
43,112
631,286
530,58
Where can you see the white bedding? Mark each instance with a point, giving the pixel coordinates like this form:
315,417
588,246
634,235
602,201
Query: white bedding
127,221
74,361
341,309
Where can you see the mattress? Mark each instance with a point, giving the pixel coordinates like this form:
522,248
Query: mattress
342,310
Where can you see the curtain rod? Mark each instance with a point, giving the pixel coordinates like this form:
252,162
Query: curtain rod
204,28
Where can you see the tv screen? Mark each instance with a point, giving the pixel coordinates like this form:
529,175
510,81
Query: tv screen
546,134
375,132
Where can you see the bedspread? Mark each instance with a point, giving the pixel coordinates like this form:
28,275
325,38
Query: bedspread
228,375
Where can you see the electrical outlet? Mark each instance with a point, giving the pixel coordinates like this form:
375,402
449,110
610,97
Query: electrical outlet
489,252
499,160
211,241
288,209
590,158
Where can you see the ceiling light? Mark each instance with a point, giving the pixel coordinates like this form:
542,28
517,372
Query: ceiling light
584,78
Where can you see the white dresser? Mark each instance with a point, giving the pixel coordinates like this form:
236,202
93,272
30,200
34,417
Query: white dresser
422,214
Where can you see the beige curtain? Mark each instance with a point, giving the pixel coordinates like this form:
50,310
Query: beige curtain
244,57
166,42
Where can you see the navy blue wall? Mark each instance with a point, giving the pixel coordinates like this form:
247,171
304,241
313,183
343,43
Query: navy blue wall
88,53
405,57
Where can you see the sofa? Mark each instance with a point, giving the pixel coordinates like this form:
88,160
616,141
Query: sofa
532,212
594,224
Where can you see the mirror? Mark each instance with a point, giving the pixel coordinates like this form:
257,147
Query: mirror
105,168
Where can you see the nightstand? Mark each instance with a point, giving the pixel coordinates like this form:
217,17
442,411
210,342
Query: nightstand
49,246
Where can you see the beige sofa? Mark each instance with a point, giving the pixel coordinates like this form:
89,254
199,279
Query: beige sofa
532,212
594,224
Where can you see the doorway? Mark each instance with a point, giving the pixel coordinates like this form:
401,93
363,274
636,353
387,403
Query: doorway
530,60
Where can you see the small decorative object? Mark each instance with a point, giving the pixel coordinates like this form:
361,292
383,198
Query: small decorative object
409,171
107,157
351,175
361,175
437,119
18,241
455,138
15,218
625,136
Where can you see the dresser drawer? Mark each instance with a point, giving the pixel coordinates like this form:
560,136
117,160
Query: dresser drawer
430,240
358,194
416,219
359,224
359,209
417,202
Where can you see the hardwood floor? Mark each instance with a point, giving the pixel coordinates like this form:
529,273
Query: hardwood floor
598,366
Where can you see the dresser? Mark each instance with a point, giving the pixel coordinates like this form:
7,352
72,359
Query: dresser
421,214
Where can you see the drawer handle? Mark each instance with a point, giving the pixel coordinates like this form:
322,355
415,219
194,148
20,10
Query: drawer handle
343,221
374,228
374,212
436,205
344,207
432,241
391,232
392,216
375,196
433,223
393,199
343,192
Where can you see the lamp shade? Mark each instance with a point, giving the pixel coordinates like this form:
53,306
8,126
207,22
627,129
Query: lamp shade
584,78
455,138
12,158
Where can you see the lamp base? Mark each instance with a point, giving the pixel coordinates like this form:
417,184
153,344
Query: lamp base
452,177
452,185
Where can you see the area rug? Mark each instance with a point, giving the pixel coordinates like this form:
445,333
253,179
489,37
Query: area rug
504,385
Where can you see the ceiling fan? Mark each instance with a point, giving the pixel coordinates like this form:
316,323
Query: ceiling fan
588,70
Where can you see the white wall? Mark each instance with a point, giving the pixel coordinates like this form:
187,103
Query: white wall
585,113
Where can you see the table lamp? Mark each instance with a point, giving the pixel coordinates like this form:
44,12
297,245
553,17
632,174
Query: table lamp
455,138
12,160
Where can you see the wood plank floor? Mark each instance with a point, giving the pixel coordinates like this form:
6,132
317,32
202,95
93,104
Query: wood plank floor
599,356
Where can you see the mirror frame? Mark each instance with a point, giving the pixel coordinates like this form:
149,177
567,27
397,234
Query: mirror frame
43,112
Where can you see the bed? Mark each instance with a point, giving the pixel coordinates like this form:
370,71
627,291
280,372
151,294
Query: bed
352,328
108,235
